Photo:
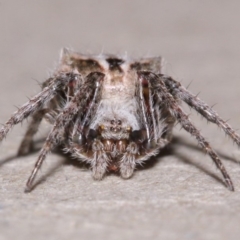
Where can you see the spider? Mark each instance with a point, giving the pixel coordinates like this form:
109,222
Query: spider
113,113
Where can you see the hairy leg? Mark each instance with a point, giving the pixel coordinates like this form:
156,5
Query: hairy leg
72,83
167,99
77,104
201,107
158,122
27,142
144,110
36,103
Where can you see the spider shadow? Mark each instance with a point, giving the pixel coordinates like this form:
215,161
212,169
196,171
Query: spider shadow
170,150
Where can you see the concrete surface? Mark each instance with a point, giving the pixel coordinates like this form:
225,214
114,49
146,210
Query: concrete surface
180,195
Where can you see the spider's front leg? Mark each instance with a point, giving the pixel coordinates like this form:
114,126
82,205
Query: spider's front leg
49,108
77,104
178,91
165,97
37,102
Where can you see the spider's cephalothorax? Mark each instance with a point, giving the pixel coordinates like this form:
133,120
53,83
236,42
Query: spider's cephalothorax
111,112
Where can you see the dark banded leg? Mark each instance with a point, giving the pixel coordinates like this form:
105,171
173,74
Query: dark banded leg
27,142
37,102
157,121
92,84
201,107
165,97
143,106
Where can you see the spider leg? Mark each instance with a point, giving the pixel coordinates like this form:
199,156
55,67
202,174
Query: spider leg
144,110
37,102
27,142
167,99
50,113
201,107
157,120
77,104
153,113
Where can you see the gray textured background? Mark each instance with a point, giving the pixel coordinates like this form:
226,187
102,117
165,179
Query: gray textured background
178,196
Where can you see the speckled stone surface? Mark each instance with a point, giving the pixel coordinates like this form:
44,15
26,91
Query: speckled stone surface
179,195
